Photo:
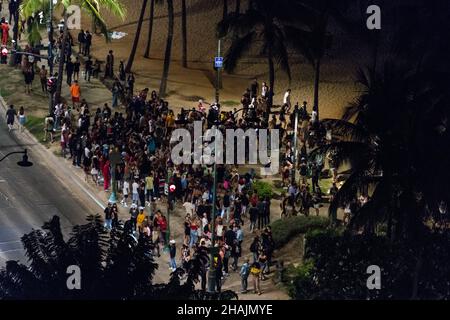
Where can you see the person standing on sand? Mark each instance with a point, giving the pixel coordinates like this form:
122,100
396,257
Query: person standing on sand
43,77
109,72
76,69
87,43
81,41
75,92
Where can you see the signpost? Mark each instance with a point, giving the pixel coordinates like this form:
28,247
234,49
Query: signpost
218,62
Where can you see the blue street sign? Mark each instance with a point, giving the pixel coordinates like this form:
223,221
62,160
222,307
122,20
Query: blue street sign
218,62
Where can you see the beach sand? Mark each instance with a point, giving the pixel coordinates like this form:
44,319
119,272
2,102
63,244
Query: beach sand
187,85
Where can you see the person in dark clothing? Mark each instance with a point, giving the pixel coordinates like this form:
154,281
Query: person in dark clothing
69,72
254,248
81,41
261,214
88,69
108,217
219,274
87,44
76,69
230,237
267,211
109,72
133,215
10,116
253,217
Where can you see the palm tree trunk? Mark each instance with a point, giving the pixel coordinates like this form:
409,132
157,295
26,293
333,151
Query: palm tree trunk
12,60
62,60
150,29
167,55
316,86
225,9
271,82
184,33
250,4
416,275
136,38
238,6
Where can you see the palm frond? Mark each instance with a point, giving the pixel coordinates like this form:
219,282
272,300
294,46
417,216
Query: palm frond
237,49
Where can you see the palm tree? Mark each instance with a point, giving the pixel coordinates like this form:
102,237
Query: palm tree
92,7
150,29
263,24
392,140
168,52
312,39
116,266
225,9
136,37
184,33
238,7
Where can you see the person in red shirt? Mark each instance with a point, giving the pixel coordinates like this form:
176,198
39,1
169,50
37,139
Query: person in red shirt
5,33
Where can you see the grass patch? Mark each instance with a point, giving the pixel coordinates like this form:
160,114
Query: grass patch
36,127
5,93
284,230
263,189
230,103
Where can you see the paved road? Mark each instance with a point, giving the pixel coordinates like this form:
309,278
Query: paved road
31,196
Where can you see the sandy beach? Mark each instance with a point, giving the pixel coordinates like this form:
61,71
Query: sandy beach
186,86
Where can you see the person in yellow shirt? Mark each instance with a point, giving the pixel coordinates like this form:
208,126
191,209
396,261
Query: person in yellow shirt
75,92
140,220
170,122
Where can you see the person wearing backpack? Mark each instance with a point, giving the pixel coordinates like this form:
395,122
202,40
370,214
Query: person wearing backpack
244,273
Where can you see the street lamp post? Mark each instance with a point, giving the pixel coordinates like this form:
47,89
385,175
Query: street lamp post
50,53
24,162
296,111
115,158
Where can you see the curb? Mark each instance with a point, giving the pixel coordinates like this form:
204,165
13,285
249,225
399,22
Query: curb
50,157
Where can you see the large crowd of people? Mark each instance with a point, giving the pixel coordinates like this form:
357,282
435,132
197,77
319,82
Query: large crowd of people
139,134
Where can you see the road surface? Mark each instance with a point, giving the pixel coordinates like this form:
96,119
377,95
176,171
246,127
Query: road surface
31,196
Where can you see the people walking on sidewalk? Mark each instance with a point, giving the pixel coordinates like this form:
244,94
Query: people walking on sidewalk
10,117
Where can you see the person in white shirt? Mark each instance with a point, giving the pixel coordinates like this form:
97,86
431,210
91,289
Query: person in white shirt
204,222
314,116
125,191
287,100
189,207
135,192
264,90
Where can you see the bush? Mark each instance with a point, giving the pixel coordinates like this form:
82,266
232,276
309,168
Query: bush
284,230
263,189
339,267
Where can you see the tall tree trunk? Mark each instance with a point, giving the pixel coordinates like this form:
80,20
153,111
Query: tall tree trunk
136,38
62,60
238,6
225,9
416,275
316,86
250,4
150,29
184,33
12,60
167,55
271,81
